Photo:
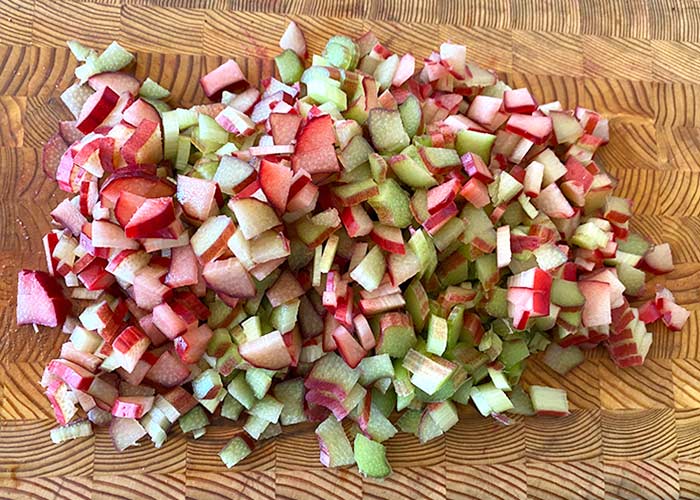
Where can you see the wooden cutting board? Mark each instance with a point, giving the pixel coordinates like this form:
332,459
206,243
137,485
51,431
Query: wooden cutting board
632,434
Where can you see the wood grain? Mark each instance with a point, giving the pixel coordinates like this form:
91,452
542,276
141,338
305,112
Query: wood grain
632,434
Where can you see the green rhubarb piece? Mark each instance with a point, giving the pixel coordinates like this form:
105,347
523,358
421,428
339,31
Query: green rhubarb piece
508,188
161,106
284,317
632,278
496,90
272,430
427,428
220,341
428,373
205,383
549,400
289,66
497,305
566,293
79,51
372,368
332,369
329,252
167,410
300,255
422,245
88,68
456,268
230,360
490,399
345,131
194,419
422,141
396,339
410,170
356,192
259,380
75,96
385,71
478,226
171,135
313,230
268,408
336,450
231,408
498,378
255,426
208,136
491,344
440,159
590,236
409,421
182,155
447,390
562,359
382,385
231,172
370,271
405,392
212,404
205,167
113,58
235,450
444,414
153,428
411,115
252,328
486,269
521,402
356,153
352,402
515,372
514,215
241,391
342,52
634,244
480,373
186,118
417,303
371,457
471,141
386,130
321,71
385,401
538,342
379,427
572,318
461,395
324,90
448,234
455,322
514,351
437,335
392,205
73,430
291,394
357,174
152,90
85,340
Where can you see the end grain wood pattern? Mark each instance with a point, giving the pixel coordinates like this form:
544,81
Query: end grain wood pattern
632,434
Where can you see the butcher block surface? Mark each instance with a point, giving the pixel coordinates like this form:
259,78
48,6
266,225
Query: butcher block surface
631,434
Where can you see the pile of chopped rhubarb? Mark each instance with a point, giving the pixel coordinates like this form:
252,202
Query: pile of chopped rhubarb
354,239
